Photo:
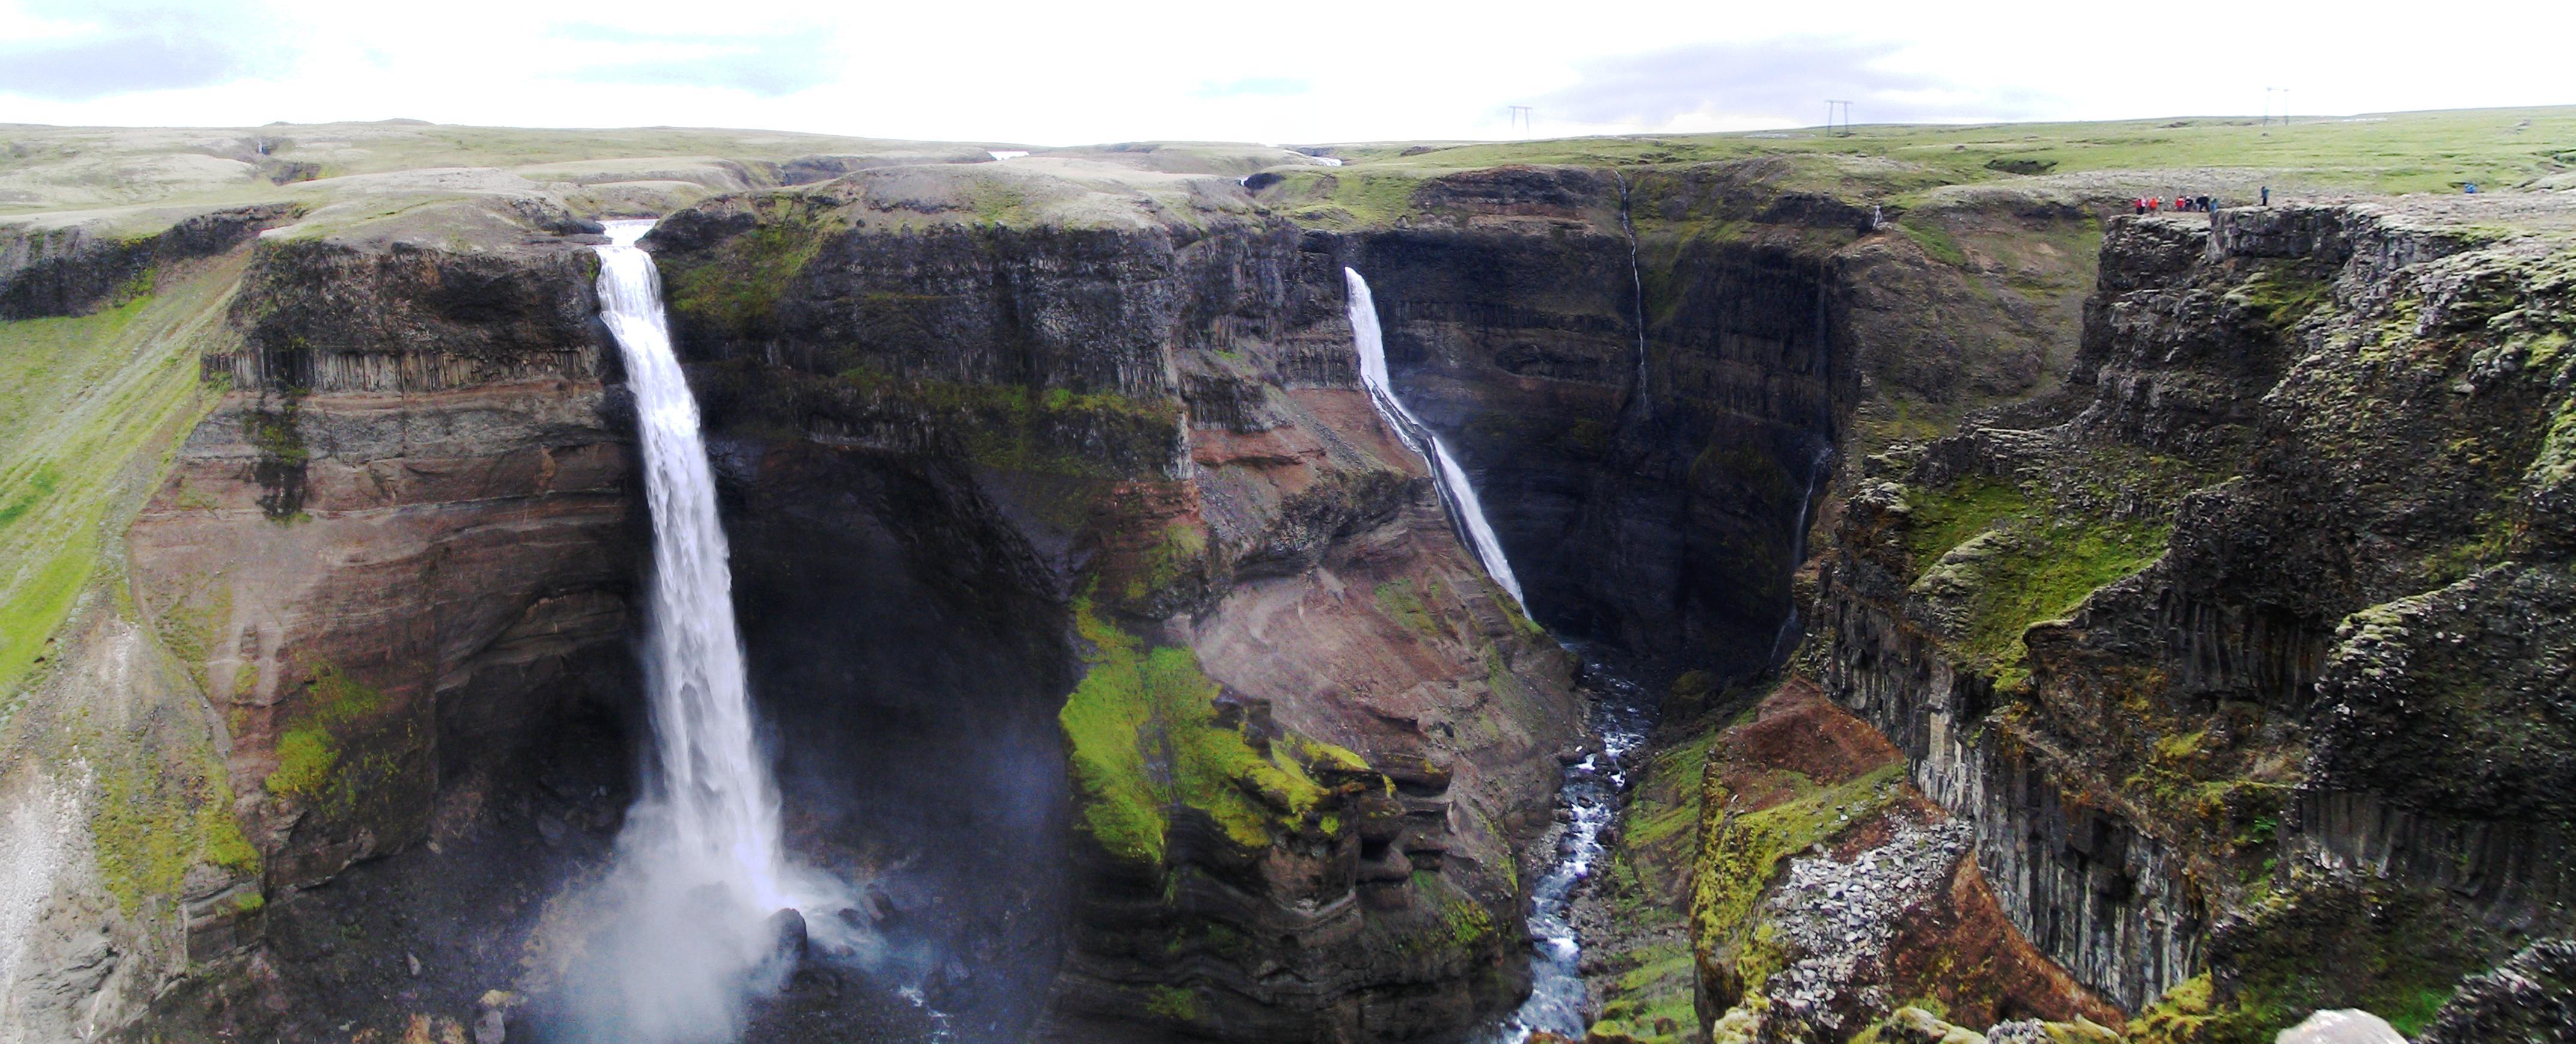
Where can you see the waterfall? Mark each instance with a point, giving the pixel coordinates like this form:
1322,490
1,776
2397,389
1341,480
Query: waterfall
688,927
1456,493
713,783
1636,289
1798,546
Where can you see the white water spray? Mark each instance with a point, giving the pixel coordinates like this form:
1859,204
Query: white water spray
700,868
1455,491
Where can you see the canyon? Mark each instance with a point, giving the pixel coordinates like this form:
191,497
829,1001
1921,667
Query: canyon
2050,620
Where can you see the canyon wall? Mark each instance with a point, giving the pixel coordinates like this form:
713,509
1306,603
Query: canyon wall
2203,624
385,559
2163,637
1645,436
1161,427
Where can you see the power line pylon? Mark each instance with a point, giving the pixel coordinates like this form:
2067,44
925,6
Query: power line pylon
1830,104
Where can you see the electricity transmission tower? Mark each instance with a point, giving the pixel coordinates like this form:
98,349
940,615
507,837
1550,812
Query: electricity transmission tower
1521,117
2284,92
1830,104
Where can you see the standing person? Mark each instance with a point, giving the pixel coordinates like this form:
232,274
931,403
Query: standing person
2207,204
2138,205
2267,195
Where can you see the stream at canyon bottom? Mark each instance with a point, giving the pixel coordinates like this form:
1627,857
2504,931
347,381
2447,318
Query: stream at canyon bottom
1622,713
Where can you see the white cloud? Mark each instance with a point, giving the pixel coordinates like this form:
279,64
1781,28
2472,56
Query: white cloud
74,52
1062,74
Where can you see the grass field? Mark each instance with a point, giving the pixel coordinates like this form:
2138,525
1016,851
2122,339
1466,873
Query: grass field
2390,153
73,168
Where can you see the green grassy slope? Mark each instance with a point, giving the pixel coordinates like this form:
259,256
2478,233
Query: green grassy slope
91,409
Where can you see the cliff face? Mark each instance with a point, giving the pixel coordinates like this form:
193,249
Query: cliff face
377,561
1093,603
1645,436
1158,427
75,264
2166,652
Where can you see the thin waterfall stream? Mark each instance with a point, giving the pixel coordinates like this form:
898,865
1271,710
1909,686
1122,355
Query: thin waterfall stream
1798,547
1621,714
1637,294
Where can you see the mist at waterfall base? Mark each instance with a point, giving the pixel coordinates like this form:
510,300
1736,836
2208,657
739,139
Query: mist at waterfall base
688,923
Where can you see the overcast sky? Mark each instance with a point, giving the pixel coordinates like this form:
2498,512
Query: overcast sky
1067,73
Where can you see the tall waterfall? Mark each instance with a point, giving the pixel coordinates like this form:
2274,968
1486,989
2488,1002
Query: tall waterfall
1456,493
700,871
713,784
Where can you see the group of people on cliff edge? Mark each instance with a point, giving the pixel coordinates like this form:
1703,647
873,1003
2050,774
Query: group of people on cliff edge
2181,203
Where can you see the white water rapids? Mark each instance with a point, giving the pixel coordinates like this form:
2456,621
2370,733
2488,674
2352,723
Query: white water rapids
1456,492
687,932
1592,792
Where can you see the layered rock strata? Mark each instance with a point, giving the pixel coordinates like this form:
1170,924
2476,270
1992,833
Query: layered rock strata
2148,635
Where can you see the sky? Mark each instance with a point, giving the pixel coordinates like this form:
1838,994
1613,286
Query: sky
1062,74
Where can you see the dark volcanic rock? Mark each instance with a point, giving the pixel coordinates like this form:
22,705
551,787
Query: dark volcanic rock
2530,999
1658,520
78,269
1158,424
2316,636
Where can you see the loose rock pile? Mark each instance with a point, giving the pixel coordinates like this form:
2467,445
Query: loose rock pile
1834,920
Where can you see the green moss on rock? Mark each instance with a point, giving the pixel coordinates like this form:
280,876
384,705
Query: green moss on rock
1946,517
1148,741
1935,240
738,286
2006,558
310,752
2281,295
1172,1002
1741,856
1398,599
156,817
2397,956
1046,431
